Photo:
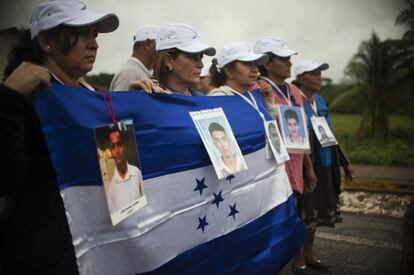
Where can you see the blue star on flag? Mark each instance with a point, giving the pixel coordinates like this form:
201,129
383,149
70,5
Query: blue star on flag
202,223
229,178
200,185
233,211
217,198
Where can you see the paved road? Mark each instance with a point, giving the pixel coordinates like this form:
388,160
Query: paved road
360,245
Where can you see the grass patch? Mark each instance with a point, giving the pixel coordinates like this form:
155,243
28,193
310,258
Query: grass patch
348,124
399,151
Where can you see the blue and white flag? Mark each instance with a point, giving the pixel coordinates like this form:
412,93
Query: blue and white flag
193,223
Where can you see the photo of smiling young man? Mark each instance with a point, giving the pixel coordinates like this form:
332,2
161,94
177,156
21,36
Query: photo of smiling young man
126,183
120,169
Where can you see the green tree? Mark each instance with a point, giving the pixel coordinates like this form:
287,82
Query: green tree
377,70
406,17
101,81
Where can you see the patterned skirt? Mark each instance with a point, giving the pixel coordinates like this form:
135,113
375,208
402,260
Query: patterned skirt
318,208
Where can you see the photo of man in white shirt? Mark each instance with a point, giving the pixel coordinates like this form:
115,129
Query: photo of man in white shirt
229,162
126,184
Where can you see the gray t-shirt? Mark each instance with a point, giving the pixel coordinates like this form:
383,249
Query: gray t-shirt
132,70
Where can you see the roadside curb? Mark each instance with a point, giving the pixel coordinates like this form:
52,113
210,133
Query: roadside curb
391,186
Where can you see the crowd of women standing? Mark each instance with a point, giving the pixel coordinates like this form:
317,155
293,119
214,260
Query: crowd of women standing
61,46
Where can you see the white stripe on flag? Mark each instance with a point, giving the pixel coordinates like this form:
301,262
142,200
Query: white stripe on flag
168,226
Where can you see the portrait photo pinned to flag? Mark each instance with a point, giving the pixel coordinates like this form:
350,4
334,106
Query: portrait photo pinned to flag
274,140
219,141
120,169
323,131
293,128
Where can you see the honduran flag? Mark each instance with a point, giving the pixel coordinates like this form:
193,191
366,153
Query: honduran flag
193,223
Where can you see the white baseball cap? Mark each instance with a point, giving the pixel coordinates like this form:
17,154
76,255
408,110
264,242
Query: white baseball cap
182,37
239,51
308,65
205,71
273,45
146,32
52,13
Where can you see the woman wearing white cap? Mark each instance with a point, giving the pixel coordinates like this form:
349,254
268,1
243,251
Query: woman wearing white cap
275,72
178,62
319,207
205,85
60,46
236,70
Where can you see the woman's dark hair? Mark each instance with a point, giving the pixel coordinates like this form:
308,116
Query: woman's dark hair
297,83
25,50
28,49
160,71
218,78
262,69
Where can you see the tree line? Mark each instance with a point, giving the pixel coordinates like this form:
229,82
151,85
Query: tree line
379,80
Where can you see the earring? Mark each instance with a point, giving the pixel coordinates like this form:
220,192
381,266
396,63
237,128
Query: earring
48,49
169,68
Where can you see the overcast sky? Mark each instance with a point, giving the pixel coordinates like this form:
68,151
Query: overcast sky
324,30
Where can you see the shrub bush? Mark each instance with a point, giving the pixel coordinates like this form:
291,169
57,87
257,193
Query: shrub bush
398,152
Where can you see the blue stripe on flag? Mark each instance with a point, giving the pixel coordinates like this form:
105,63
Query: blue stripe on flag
263,246
162,126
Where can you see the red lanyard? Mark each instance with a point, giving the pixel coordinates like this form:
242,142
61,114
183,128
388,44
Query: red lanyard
110,107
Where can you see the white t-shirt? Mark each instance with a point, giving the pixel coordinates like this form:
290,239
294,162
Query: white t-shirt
122,192
225,171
